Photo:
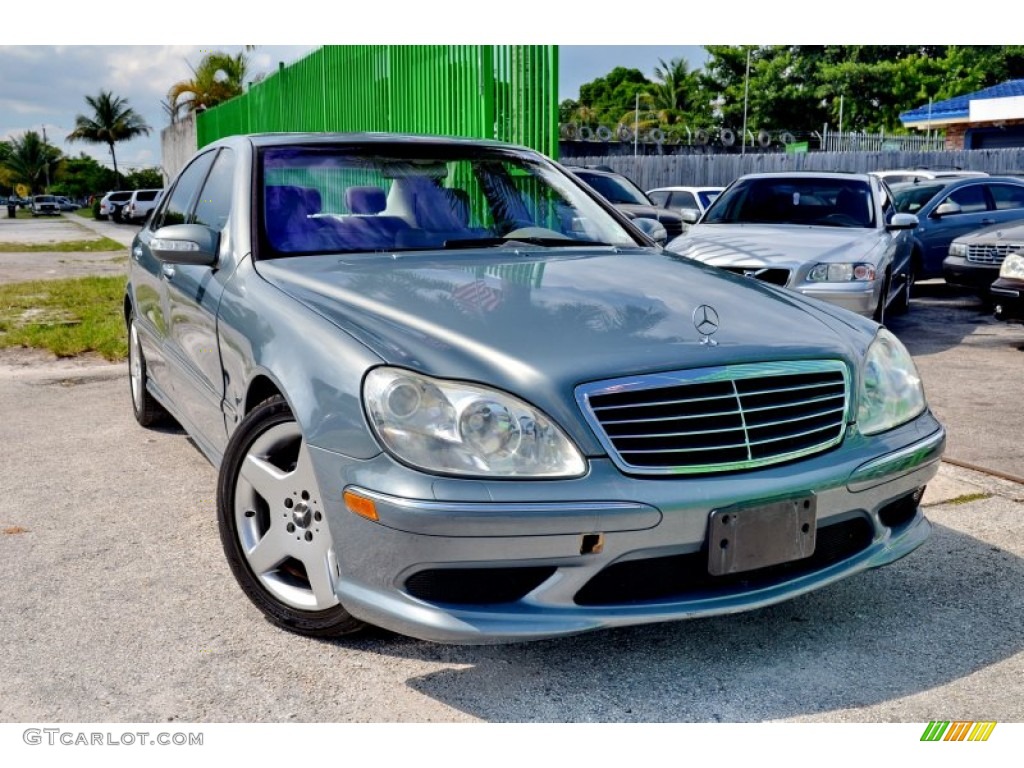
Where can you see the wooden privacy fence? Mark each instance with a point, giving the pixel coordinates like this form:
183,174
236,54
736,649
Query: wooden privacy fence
652,171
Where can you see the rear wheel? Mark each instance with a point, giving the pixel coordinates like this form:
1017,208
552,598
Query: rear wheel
272,525
147,410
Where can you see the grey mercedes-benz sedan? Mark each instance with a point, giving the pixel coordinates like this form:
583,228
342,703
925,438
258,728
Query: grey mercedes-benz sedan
452,392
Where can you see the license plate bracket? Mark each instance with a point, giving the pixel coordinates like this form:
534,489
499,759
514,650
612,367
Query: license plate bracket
747,537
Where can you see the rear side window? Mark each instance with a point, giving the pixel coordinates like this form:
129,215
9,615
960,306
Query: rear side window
1007,196
147,196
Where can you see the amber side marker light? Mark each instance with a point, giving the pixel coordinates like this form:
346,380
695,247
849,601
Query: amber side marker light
360,505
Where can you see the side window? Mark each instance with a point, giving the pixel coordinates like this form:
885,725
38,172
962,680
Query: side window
214,204
659,198
970,199
175,207
1007,196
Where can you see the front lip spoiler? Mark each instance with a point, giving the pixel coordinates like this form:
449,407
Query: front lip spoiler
898,463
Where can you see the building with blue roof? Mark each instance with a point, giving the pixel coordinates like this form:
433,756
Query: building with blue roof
992,118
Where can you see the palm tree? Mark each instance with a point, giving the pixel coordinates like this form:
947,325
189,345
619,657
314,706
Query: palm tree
28,160
219,77
675,86
112,121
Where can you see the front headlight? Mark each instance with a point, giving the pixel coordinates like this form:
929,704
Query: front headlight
958,249
450,427
890,389
1013,266
841,273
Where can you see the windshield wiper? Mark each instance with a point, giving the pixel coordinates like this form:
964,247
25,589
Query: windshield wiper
492,242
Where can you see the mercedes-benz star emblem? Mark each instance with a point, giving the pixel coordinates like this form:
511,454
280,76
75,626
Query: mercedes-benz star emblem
705,320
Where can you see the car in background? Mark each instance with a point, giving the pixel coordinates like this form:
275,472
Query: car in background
628,198
974,259
65,204
922,174
140,204
112,204
1007,291
45,205
832,236
450,391
951,207
684,198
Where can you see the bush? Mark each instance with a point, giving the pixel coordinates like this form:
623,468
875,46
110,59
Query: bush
96,209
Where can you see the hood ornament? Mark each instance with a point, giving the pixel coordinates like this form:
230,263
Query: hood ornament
705,320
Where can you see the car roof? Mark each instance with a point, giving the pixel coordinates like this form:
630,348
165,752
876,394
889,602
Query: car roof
288,139
685,189
807,175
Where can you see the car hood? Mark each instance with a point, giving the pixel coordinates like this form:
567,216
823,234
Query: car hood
635,211
1011,231
539,322
726,245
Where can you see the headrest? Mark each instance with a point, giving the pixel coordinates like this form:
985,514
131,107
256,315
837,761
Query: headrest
365,200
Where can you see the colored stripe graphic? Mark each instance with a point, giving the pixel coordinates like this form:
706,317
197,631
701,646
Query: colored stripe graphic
958,730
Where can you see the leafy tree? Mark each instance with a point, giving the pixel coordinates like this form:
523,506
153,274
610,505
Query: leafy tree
144,178
79,177
112,121
28,160
612,97
218,77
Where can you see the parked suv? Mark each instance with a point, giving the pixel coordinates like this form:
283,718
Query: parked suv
112,203
140,204
45,205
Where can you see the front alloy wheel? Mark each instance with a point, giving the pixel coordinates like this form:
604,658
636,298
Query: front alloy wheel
273,528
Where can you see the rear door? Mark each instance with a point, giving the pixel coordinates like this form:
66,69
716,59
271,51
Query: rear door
939,231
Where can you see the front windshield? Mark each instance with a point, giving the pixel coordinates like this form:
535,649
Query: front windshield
813,201
910,198
415,196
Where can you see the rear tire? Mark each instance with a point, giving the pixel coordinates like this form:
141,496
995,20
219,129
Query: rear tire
147,410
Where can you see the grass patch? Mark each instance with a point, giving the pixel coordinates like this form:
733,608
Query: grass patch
85,213
103,245
67,317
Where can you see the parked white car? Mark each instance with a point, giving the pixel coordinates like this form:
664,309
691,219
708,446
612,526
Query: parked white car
140,204
111,204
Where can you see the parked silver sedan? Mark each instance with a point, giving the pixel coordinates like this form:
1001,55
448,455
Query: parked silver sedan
833,236
451,391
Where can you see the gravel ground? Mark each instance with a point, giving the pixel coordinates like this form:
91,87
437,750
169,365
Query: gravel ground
119,606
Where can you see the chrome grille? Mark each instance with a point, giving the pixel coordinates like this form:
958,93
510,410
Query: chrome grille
773,275
990,254
719,419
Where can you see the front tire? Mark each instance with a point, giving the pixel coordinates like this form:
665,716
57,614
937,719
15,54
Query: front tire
273,525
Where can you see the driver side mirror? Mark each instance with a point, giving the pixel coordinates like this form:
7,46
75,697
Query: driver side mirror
690,215
947,208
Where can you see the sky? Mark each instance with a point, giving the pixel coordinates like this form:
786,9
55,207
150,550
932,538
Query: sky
49,83
47,69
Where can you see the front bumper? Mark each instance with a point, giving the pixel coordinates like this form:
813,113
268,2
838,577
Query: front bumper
859,297
489,562
1008,296
958,271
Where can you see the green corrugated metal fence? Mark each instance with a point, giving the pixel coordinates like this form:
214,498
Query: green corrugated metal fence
505,92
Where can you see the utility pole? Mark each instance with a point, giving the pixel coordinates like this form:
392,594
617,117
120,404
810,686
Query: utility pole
46,162
636,124
746,95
